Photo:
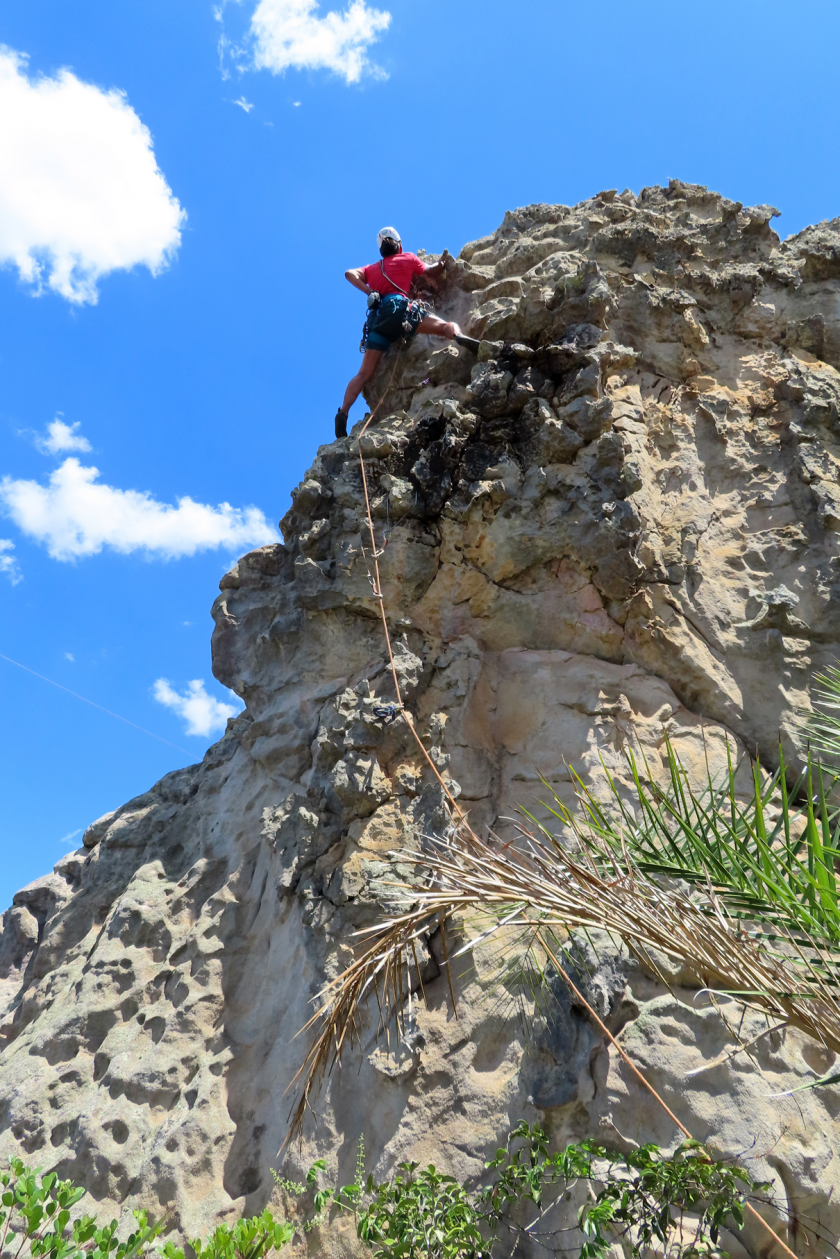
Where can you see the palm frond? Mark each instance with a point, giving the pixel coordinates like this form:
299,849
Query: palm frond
382,971
822,727
769,859
542,888
759,920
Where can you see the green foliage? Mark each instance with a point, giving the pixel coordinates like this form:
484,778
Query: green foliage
420,1213
255,1238
646,1196
524,1171
770,860
348,1197
822,727
35,1223
640,1197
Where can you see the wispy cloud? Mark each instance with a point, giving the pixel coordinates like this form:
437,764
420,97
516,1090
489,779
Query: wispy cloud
81,194
294,35
68,655
67,839
244,104
61,438
8,563
289,34
202,714
75,515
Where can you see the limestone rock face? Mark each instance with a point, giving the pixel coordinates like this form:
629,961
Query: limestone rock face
619,521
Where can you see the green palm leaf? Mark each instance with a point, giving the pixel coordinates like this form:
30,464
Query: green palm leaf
770,861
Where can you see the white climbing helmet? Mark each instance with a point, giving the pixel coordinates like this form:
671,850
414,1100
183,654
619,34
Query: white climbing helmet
388,233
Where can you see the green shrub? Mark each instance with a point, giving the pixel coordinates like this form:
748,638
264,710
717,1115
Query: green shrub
35,1223
419,1213
641,1198
247,1239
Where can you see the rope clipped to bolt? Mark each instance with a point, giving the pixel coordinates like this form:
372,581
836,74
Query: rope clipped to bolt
380,595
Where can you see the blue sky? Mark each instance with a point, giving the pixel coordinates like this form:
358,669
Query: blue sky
210,365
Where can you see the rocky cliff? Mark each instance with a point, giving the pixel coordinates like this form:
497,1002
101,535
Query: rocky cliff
621,521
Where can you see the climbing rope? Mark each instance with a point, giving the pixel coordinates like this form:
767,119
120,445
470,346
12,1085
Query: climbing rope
378,592
400,707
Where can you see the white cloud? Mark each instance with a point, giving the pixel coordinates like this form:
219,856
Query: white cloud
68,655
80,191
60,438
244,104
74,515
201,713
70,837
288,34
8,563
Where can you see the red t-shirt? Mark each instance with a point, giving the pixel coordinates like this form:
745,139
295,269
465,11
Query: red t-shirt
402,268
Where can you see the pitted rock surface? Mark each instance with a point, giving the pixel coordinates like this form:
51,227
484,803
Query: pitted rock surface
620,521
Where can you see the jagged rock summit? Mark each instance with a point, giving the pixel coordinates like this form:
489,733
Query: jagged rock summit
620,522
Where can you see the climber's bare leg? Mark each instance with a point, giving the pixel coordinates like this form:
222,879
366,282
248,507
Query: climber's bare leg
435,327
363,375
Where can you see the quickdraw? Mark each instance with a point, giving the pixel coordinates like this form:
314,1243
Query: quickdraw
386,713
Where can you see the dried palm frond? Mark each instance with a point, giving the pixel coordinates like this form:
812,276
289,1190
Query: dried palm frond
760,921
381,971
541,887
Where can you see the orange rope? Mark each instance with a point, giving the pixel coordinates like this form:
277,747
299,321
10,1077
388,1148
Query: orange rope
380,595
647,1084
566,979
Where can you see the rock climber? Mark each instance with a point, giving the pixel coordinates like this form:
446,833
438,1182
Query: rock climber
391,312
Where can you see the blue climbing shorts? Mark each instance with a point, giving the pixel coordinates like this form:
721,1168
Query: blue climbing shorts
385,322
374,341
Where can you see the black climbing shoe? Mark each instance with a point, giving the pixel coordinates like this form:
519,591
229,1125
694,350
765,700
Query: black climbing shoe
340,423
469,343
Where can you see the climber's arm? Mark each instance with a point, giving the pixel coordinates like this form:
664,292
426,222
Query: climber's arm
356,277
437,270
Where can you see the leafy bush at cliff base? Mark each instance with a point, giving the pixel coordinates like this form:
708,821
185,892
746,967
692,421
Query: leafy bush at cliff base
247,1239
35,1224
641,1198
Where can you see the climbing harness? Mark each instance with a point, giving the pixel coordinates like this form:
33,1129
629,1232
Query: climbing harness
392,314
